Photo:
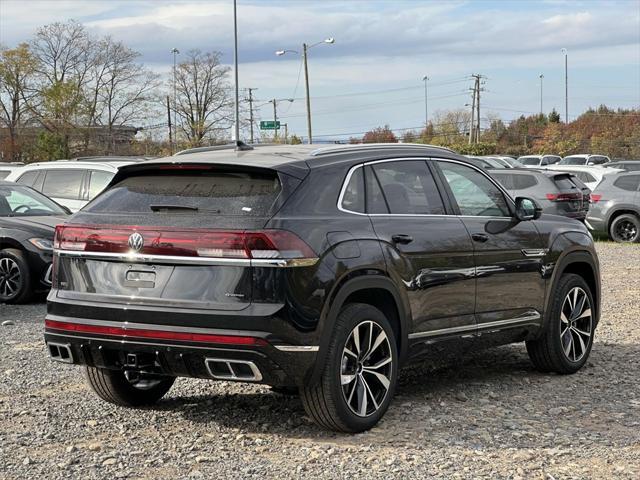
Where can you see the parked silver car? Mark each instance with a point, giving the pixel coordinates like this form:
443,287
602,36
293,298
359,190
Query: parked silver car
558,193
539,160
584,159
615,208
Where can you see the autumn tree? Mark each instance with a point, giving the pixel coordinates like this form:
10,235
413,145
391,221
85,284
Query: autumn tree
17,68
203,102
380,135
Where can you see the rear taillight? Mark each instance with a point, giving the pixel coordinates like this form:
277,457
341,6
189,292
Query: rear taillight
264,244
564,197
595,198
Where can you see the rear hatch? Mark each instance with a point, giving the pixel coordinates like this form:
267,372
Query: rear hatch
572,196
174,236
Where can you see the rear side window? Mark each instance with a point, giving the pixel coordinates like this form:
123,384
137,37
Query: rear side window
629,183
512,181
97,181
63,183
409,188
28,178
353,198
218,193
375,199
4,174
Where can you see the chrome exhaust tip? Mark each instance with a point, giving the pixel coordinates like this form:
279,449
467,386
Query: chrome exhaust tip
238,370
60,352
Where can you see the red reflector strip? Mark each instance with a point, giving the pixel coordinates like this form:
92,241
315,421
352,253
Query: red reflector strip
154,334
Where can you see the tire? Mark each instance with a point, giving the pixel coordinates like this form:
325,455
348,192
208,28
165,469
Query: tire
15,277
565,345
339,407
113,386
625,228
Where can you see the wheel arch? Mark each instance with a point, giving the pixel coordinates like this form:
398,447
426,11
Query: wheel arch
583,264
374,288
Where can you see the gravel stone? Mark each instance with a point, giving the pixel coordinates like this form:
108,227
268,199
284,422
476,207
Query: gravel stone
514,422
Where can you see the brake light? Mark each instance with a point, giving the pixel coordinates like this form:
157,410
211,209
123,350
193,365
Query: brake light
563,197
264,244
595,197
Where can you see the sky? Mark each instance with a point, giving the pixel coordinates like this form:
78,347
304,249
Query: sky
373,74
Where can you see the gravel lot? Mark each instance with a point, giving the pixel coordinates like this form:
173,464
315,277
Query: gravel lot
486,415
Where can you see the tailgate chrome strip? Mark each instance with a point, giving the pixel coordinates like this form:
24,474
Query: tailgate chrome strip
180,260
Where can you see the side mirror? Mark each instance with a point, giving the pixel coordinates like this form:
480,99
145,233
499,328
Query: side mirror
527,209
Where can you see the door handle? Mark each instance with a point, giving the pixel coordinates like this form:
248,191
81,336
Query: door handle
401,238
480,237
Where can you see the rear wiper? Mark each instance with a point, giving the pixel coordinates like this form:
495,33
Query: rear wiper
166,208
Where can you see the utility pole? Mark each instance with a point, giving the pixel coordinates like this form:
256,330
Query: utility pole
169,123
426,106
476,105
175,52
306,84
251,112
566,87
541,78
472,130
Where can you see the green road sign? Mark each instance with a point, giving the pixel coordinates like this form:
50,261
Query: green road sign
269,125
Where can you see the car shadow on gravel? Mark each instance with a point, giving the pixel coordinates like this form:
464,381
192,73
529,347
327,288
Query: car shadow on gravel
502,377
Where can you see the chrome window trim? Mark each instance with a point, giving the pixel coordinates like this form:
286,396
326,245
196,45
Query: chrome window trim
179,260
508,197
506,323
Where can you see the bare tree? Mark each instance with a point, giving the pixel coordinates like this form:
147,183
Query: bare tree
203,101
17,67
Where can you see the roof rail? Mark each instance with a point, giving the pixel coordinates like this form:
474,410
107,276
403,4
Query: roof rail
372,146
239,146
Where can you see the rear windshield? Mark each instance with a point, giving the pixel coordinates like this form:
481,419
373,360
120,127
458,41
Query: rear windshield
515,181
219,193
573,161
564,182
529,160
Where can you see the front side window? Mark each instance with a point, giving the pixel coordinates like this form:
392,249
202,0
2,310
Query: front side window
474,193
409,188
19,201
63,183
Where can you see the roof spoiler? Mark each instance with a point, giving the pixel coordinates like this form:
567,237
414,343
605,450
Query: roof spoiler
238,146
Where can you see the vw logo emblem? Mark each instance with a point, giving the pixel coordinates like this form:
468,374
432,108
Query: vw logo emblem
136,242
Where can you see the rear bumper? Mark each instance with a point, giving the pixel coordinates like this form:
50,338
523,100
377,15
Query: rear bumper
214,354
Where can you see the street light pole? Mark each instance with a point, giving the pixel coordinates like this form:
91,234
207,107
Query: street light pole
541,78
236,109
306,86
175,52
566,86
275,120
426,109
305,52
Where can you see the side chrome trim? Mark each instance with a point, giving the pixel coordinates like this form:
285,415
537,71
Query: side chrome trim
509,322
534,252
179,260
297,348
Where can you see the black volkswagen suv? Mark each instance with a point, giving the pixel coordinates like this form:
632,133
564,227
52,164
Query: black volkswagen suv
325,270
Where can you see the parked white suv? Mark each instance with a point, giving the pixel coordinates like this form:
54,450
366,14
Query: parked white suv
70,183
7,168
585,159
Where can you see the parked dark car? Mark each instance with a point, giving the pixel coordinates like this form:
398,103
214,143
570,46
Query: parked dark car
628,165
558,193
27,221
325,270
615,210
